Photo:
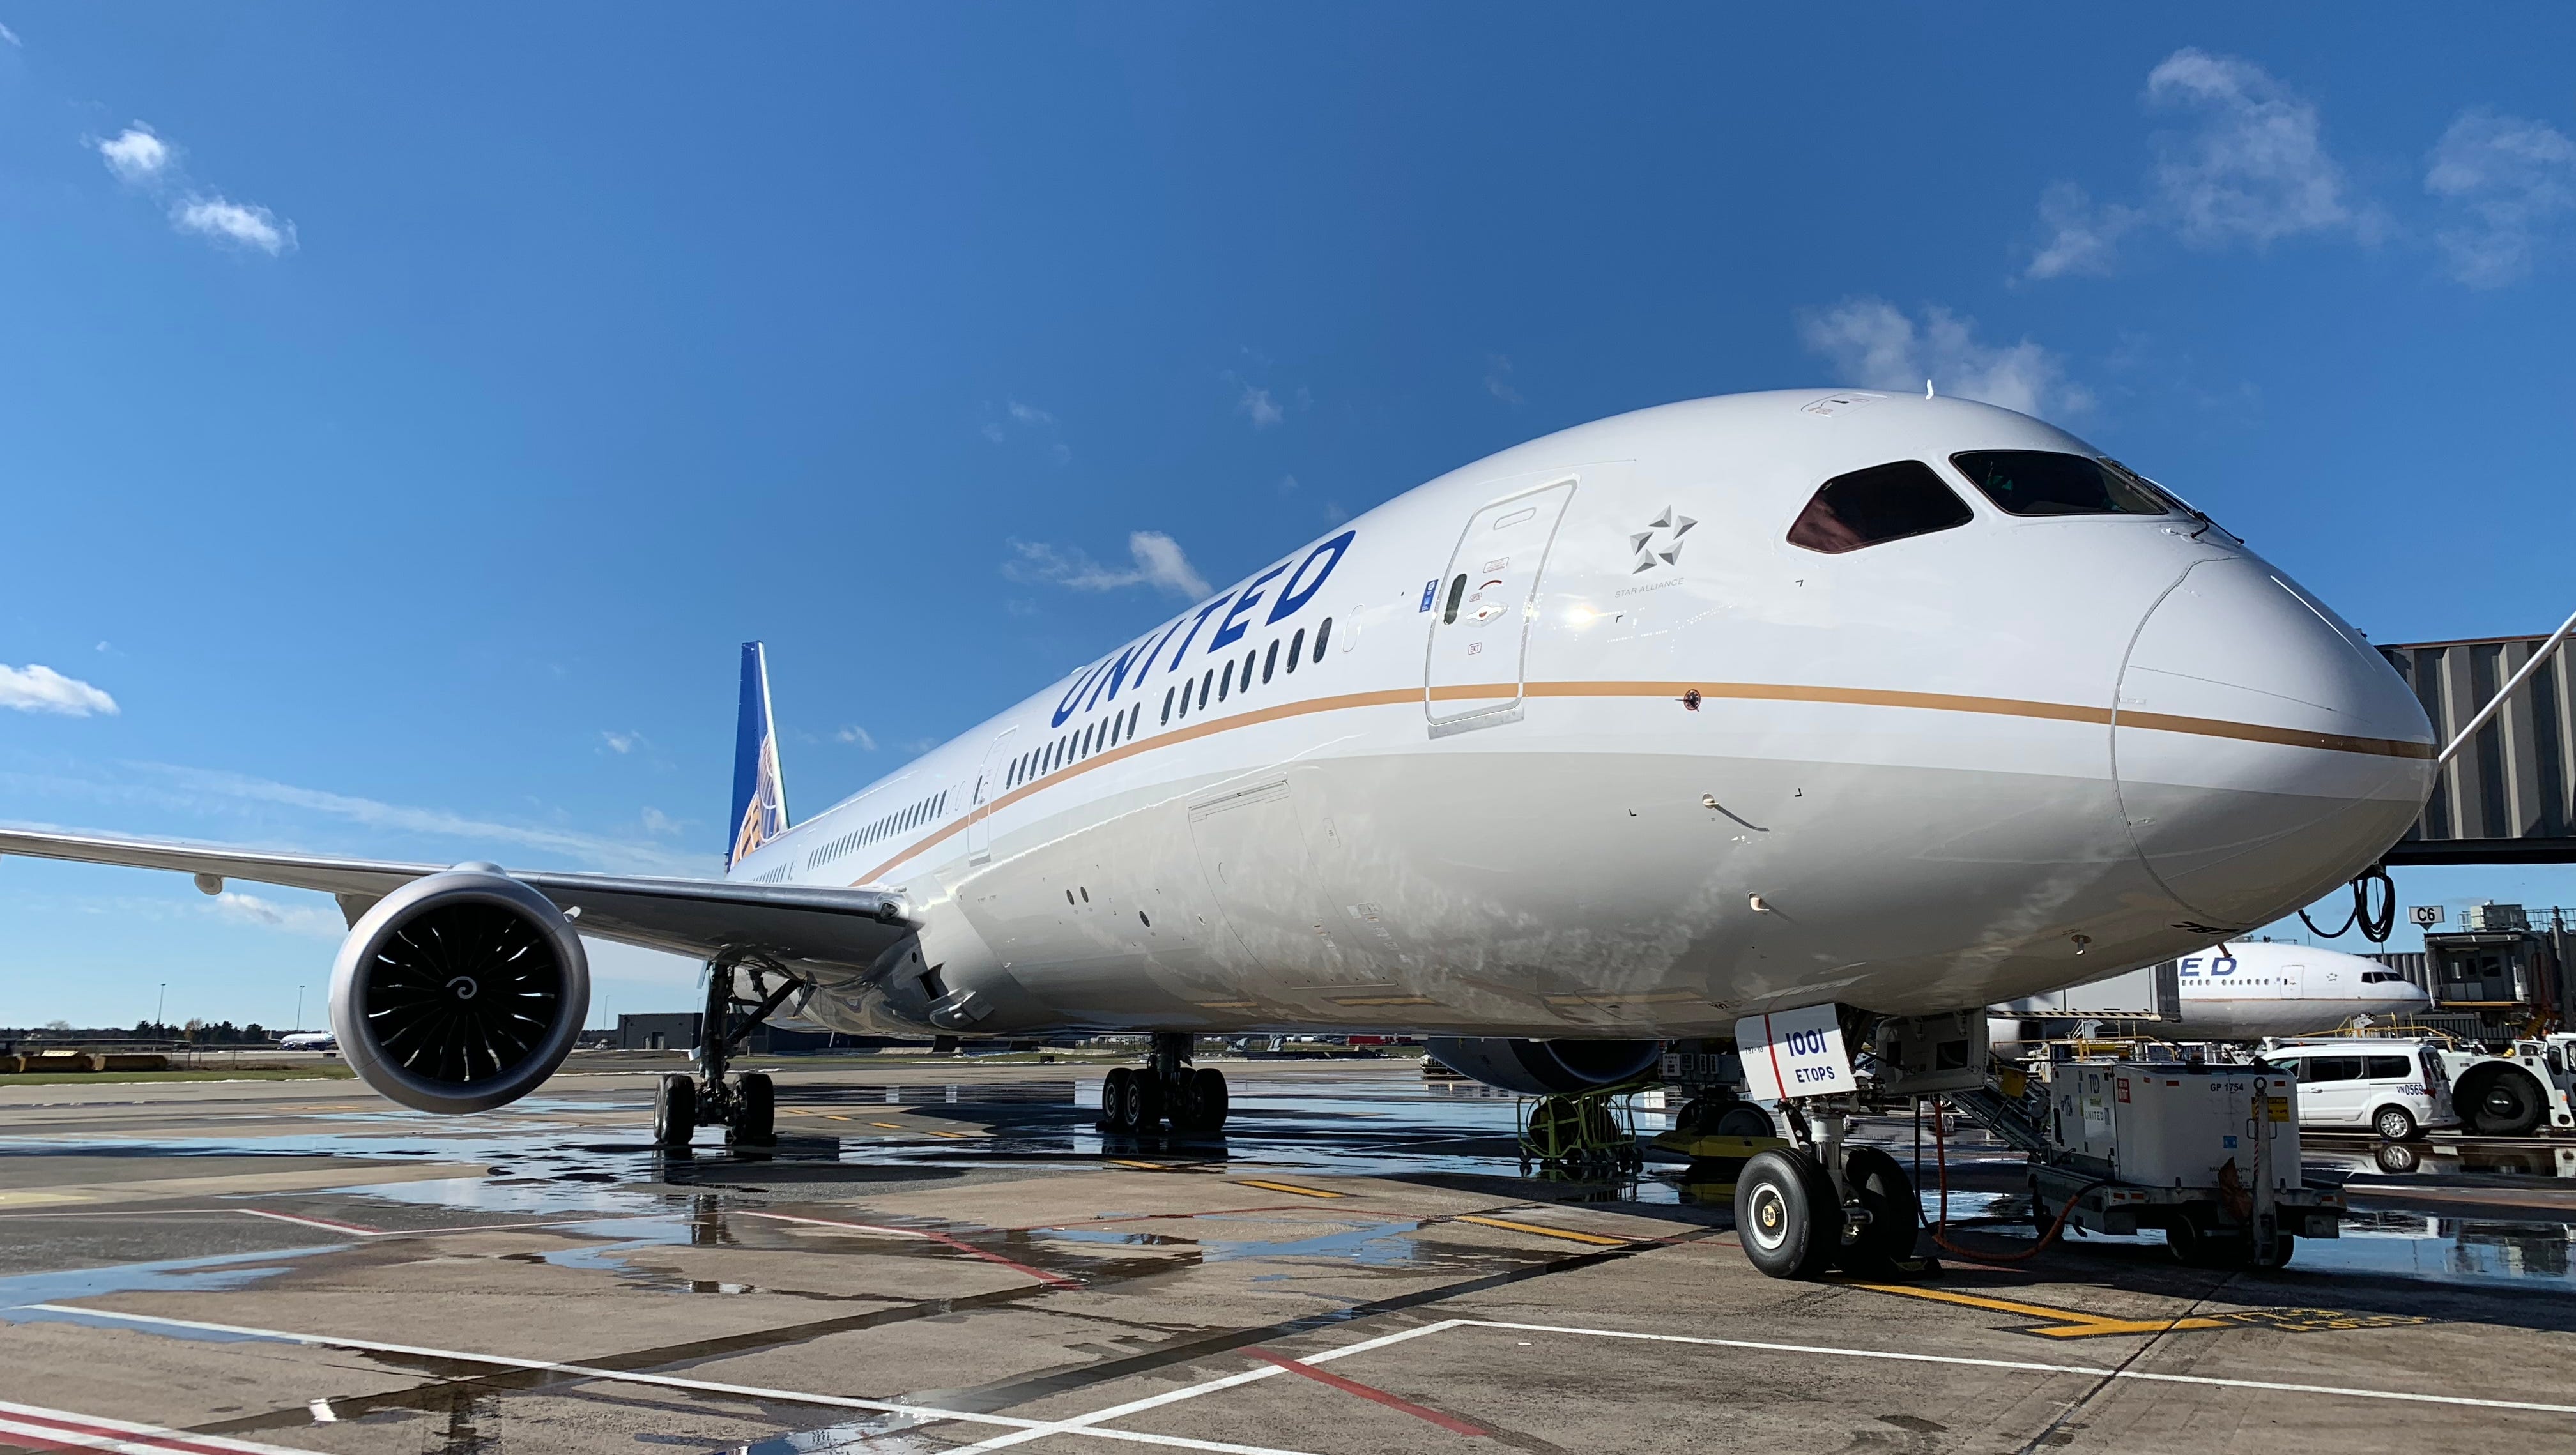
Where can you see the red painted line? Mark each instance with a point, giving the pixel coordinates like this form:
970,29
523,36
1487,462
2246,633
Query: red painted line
34,1427
1353,1386
1055,1279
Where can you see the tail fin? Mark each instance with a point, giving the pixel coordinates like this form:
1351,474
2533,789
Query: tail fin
759,793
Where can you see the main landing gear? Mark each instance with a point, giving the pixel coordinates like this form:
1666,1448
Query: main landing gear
1802,1209
746,1106
1138,1100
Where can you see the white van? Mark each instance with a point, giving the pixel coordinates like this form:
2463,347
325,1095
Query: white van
2390,1087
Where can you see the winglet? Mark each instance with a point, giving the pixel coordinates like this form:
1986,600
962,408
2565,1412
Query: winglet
759,793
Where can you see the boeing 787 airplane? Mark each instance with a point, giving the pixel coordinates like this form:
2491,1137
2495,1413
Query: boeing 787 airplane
1862,704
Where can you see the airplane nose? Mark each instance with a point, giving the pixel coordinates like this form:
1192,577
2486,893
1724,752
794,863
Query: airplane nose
2263,752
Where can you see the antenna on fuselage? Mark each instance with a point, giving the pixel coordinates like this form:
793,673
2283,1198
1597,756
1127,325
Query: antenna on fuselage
1927,388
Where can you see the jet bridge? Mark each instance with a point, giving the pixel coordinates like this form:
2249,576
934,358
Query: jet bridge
2509,795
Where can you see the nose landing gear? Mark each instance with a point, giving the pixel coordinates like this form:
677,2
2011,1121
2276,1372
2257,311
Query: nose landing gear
1137,1100
1801,1210
746,1106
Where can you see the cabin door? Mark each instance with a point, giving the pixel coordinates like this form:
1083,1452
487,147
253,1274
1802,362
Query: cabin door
988,786
1484,608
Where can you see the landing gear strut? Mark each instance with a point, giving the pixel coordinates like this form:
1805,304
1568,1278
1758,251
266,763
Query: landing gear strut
746,1105
1137,1100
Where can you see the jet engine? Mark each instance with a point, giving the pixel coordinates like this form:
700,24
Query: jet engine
1544,1068
460,991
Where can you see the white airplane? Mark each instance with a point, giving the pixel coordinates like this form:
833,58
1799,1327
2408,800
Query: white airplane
309,1041
1751,704
2248,989
2241,990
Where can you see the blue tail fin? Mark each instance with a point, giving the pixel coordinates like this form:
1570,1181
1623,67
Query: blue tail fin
759,793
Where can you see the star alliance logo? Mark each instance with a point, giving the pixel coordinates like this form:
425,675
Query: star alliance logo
1671,527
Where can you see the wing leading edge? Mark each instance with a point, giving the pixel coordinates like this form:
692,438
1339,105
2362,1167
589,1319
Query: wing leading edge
850,928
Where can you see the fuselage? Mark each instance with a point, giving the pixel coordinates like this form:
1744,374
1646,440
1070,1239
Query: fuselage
1575,741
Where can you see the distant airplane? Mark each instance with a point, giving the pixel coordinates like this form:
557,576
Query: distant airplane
309,1041
1768,703
2244,990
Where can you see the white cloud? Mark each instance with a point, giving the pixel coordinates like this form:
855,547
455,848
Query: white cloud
2251,168
1030,414
1159,563
34,688
2505,180
2082,236
2256,168
1874,344
856,734
1257,403
203,783
658,822
621,742
239,222
136,155
298,919
10,36
1498,380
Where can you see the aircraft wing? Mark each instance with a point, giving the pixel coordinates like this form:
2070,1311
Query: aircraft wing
697,917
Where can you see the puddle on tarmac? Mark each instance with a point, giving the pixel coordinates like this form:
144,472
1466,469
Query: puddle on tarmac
214,1274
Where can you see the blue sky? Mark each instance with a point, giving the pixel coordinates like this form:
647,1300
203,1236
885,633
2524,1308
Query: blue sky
404,412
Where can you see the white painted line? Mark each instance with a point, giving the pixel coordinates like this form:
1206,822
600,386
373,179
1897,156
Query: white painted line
1088,1424
834,1223
2034,1366
924,1414
44,1429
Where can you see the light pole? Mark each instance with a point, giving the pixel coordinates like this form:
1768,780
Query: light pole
299,1008
161,1005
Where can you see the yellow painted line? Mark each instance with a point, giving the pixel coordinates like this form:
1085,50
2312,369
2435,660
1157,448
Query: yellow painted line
892,1126
2064,1323
1568,1234
836,1116
1286,1187
953,1135
1143,1166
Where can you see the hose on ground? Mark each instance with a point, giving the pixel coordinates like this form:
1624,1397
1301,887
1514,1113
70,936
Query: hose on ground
1941,1225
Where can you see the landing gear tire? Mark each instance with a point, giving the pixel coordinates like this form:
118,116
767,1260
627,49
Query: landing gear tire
755,1121
1785,1215
1895,1214
675,1113
1744,1119
1203,1102
1113,1098
2395,1123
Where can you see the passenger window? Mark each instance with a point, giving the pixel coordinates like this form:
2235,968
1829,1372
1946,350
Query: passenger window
1224,682
1883,503
1167,705
1326,630
1448,613
1249,657
1206,681
2041,482
1270,662
2389,1068
1296,645
1135,715
1087,735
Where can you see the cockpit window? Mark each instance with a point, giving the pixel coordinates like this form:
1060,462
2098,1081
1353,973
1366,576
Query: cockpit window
2040,482
1881,503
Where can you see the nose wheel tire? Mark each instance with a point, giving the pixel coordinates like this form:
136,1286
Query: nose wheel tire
755,1121
675,1112
1895,1214
1785,1215
2395,1123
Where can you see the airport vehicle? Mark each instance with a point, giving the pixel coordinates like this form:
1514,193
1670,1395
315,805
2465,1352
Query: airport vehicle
2392,1087
309,1041
2517,1091
2238,990
2209,1153
1761,708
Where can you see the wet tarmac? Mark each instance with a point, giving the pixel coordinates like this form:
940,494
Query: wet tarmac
948,1255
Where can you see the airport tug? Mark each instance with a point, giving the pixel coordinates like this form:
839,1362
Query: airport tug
2208,1153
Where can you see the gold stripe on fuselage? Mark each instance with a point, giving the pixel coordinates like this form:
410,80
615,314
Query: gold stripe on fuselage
2208,727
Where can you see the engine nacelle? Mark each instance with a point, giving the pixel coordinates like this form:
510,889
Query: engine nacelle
460,991
1544,1068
